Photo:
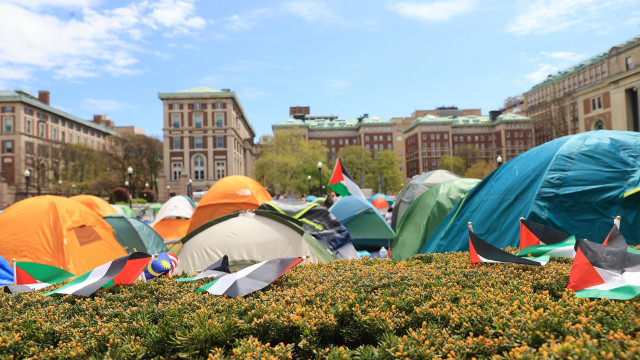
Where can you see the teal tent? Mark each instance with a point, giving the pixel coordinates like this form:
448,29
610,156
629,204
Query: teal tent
367,227
425,214
126,209
576,184
132,234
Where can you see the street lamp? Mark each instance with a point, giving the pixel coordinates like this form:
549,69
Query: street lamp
126,184
73,189
27,175
309,179
60,187
130,171
320,177
168,193
499,160
189,189
146,188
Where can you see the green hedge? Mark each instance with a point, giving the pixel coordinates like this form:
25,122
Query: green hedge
429,306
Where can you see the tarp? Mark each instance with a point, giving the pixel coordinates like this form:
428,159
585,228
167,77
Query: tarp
248,238
134,235
425,215
318,222
229,194
57,231
416,186
100,206
366,225
576,184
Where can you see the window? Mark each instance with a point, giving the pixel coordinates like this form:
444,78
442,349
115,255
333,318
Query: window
175,106
177,171
219,105
219,142
333,141
424,136
70,138
54,120
41,130
389,146
593,104
176,143
176,121
62,136
28,111
399,138
8,147
629,63
77,139
28,126
366,138
599,125
388,137
346,141
219,120
197,106
8,109
430,136
54,134
197,142
340,141
220,170
8,124
198,168
599,102
198,121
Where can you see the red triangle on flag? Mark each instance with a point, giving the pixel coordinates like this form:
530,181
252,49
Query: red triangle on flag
337,176
473,255
22,277
583,274
527,238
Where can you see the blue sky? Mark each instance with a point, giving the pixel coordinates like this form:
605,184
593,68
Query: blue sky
384,58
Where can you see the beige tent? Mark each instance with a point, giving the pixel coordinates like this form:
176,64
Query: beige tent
248,238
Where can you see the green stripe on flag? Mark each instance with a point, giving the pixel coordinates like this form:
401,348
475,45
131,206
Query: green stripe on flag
340,189
560,249
207,286
621,293
44,273
71,283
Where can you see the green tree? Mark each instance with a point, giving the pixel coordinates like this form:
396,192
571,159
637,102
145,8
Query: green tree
358,161
469,154
479,170
384,168
454,164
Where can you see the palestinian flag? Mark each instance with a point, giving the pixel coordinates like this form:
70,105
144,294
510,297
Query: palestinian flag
216,270
252,278
481,251
342,183
600,271
539,240
123,270
616,240
31,276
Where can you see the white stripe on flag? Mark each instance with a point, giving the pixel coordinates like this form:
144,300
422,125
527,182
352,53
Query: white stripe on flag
614,280
96,274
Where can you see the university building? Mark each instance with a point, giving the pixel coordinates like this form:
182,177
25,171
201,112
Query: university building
206,136
30,132
599,93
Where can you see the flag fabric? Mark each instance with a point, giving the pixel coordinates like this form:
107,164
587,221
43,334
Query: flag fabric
123,270
481,251
252,278
30,276
163,264
539,240
616,240
604,271
342,183
216,270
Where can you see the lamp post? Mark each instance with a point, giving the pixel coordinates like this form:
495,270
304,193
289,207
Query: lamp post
73,189
146,188
126,184
309,179
60,187
499,160
189,187
320,178
130,171
168,193
27,175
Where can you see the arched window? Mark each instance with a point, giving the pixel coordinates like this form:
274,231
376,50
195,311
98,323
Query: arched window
599,125
198,168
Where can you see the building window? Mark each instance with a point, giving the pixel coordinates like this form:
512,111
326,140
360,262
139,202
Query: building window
197,106
219,120
629,63
197,142
198,121
41,130
77,139
8,147
198,168
62,136
54,134
176,143
599,102
177,171
219,105
8,109
366,138
346,141
599,125
219,142
340,141
593,104
389,146
333,141
28,111
220,170
70,138
28,126
175,106
176,121
8,124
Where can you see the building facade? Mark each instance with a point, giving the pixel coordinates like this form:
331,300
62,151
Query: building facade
599,93
207,136
30,132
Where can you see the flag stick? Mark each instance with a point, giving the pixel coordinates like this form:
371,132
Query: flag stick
15,275
616,221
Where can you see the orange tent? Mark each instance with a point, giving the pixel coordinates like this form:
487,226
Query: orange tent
171,229
229,194
100,206
58,231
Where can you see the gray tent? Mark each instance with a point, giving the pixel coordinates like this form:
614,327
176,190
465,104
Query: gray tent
416,186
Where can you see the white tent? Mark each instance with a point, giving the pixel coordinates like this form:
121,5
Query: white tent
176,207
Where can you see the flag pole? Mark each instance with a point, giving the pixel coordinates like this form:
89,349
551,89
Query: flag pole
15,275
470,227
616,221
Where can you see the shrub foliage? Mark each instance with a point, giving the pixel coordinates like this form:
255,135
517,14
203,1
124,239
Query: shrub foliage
429,306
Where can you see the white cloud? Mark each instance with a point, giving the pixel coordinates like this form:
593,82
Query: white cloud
549,63
565,56
336,84
75,39
438,11
105,106
549,16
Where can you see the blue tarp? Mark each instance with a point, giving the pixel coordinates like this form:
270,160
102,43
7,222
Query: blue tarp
576,184
6,272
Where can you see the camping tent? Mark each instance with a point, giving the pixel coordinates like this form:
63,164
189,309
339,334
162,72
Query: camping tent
134,235
248,238
416,186
425,214
229,194
172,221
57,231
367,227
6,272
126,209
384,196
318,222
575,184
100,206
381,204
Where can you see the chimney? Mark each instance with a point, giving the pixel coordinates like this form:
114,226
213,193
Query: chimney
493,114
43,96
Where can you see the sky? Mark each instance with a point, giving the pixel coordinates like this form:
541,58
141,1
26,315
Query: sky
385,58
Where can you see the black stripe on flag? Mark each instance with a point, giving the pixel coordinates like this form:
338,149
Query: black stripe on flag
490,252
546,234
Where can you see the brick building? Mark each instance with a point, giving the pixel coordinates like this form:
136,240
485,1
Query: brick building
30,130
207,136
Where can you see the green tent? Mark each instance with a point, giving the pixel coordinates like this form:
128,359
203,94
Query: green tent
425,214
132,234
126,209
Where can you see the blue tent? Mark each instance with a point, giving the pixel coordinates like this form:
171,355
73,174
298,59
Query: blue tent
384,196
367,227
577,184
6,272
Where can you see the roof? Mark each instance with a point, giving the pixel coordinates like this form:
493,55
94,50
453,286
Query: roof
352,124
23,96
456,121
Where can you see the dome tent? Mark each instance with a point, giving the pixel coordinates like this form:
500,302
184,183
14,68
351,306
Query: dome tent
57,231
367,227
173,218
416,186
576,184
248,238
132,234
425,214
229,194
99,205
